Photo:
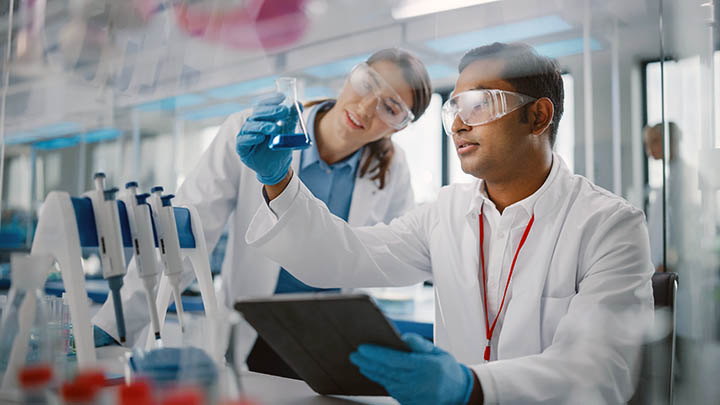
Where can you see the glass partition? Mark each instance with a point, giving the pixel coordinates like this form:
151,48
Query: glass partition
689,117
138,89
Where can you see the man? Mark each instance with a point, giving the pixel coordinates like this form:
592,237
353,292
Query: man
674,183
542,279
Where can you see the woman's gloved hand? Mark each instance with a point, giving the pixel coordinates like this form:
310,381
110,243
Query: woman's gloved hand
427,375
268,119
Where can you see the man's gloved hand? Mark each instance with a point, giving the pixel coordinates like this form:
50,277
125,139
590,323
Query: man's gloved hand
268,118
428,375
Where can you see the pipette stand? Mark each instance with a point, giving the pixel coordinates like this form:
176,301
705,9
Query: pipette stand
57,235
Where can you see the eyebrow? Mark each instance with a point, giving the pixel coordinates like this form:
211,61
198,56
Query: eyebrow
375,80
396,102
478,87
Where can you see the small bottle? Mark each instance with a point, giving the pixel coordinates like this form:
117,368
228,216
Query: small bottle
96,380
35,384
68,337
77,393
24,335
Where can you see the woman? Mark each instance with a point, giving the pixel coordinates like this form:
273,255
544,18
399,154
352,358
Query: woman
352,166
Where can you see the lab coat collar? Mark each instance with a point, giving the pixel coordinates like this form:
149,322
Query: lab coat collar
527,205
297,153
311,155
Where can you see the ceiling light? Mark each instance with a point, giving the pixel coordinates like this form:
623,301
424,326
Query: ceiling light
414,8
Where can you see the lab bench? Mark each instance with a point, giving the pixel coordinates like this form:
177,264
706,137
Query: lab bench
416,317
269,389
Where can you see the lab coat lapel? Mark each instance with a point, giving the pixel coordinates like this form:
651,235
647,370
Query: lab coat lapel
296,154
296,157
364,198
521,331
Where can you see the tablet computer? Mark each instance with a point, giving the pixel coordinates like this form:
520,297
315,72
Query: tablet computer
315,334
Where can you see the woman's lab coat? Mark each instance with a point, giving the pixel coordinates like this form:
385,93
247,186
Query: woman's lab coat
227,193
581,294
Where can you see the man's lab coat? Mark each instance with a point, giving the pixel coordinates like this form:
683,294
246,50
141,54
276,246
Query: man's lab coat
581,294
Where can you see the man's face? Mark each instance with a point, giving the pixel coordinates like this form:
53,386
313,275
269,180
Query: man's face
654,144
494,150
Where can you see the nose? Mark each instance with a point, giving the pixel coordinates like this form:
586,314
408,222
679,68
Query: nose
458,125
367,106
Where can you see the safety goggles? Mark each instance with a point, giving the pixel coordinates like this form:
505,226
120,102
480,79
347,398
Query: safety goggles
365,81
477,107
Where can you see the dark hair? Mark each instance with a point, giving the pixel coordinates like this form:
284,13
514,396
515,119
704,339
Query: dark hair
529,73
382,151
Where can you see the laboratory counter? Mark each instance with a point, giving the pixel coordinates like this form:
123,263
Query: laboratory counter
268,389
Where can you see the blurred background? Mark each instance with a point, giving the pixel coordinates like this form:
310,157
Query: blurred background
138,88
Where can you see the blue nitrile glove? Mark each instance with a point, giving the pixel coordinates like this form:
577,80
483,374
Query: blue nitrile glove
268,118
102,338
427,375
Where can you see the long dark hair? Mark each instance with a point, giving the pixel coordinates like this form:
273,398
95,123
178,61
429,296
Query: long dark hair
379,154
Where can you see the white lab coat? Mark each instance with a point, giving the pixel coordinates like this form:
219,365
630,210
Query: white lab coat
581,294
227,193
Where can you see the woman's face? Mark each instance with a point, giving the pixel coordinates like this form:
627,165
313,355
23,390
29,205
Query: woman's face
355,117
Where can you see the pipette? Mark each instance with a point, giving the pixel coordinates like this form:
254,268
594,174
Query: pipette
141,229
169,244
112,255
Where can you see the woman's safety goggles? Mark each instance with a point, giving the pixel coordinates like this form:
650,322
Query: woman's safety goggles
477,107
365,81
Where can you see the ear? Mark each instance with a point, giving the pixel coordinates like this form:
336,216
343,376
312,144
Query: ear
393,131
541,115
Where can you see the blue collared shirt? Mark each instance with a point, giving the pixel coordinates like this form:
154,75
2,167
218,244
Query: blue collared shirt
332,184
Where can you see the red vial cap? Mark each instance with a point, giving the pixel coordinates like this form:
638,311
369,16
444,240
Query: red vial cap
34,376
95,378
137,393
78,392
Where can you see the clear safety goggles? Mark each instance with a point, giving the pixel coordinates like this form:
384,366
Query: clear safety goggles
477,107
365,81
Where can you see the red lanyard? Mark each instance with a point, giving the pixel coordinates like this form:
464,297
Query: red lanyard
490,329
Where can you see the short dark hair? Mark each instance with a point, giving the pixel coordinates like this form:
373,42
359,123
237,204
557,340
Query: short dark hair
529,73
